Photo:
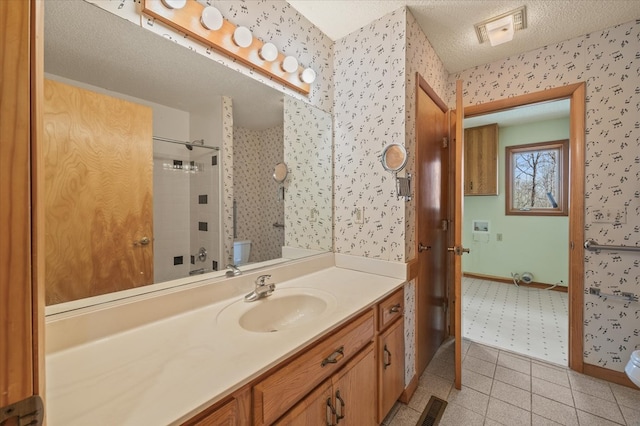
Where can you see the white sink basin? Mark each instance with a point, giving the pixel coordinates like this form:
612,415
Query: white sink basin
285,309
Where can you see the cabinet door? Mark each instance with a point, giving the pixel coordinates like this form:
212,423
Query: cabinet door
316,409
354,391
234,412
223,416
390,368
481,160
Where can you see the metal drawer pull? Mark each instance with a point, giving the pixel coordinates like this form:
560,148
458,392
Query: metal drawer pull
336,356
395,308
387,357
339,416
330,412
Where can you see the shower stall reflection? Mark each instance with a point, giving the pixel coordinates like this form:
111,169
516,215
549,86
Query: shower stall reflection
186,208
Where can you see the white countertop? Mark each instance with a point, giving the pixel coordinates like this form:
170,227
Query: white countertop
167,370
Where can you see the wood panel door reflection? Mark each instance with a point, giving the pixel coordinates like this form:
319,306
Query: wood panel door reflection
98,193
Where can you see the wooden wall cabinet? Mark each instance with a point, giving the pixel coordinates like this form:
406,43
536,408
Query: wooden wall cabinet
481,160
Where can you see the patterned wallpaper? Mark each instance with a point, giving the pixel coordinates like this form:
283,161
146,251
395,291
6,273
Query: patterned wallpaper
227,180
609,62
274,21
369,111
258,202
308,154
423,59
409,331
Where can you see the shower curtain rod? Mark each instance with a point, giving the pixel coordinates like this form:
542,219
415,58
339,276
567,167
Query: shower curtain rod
198,143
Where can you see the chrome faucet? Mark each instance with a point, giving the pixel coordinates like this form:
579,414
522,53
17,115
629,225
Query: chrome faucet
234,272
262,289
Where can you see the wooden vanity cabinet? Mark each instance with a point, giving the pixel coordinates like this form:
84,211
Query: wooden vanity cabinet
481,160
347,398
351,377
279,391
390,346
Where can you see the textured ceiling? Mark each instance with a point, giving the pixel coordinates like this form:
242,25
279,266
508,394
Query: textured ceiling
448,24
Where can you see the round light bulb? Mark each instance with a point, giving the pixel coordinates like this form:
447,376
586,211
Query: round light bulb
242,37
269,52
308,76
211,18
174,4
290,64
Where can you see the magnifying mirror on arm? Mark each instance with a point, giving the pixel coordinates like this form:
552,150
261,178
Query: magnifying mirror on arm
394,159
280,172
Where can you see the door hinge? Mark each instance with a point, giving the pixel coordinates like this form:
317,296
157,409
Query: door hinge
445,142
444,224
29,411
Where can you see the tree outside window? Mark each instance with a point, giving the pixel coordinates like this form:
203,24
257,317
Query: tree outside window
536,179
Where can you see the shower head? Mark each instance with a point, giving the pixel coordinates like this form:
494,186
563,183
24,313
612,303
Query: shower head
190,145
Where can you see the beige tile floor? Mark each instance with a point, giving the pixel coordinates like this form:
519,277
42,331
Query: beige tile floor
502,388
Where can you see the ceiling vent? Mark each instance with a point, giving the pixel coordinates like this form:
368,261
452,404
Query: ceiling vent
494,25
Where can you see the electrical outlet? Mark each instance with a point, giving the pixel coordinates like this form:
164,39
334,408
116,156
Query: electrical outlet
498,237
358,215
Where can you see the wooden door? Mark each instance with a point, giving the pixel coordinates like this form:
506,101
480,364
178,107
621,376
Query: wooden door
457,163
98,194
431,201
354,390
21,279
390,367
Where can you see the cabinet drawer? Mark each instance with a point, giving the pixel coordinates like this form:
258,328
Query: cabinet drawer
391,308
274,395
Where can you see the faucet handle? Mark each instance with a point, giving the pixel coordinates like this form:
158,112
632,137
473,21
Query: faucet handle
262,280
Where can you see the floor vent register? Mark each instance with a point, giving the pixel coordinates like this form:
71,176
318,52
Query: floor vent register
433,412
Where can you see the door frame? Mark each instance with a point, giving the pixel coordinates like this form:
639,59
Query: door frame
22,280
576,94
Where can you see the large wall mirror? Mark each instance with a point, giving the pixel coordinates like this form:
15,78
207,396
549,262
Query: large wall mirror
159,164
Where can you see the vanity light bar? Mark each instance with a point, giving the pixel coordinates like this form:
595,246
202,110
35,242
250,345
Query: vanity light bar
237,42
